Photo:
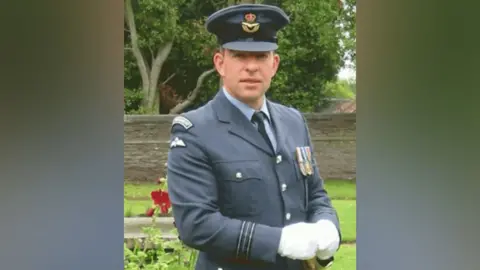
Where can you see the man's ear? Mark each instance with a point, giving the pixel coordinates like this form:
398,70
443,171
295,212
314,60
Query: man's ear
276,63
218,59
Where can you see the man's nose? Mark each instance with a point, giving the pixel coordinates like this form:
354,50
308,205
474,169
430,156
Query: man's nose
252,64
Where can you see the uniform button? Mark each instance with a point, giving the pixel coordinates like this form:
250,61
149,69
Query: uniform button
284,187
238,175
279,159
287,216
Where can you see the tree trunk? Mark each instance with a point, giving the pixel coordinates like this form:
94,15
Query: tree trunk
162,54
149,75
141,63
193,95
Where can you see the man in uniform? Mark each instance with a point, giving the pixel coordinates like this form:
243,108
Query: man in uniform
242,178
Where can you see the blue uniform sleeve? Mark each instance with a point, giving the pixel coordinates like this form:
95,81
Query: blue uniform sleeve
193,191
319,203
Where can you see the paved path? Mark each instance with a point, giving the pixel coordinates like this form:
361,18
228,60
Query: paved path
147,220
133,233
135,224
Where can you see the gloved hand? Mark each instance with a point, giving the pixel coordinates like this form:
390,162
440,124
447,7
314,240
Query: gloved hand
299,241
328,239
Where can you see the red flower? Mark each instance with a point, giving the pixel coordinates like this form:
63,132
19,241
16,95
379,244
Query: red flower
161,199
150,212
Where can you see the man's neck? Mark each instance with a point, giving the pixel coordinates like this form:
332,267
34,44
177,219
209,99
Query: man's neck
256,104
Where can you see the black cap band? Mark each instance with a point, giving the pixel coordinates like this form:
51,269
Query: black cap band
247,39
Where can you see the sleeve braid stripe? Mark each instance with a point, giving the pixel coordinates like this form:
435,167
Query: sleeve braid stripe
239,241
245,239
249,244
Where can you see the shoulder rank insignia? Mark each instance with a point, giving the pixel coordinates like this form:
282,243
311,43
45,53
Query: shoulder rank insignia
177,143
181,120
304,159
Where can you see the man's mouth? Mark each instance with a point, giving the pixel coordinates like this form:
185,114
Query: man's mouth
250,81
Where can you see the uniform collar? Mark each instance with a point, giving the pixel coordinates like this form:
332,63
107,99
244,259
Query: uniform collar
244,108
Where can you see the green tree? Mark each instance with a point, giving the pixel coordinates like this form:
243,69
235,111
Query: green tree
339,89
154,29
310,52
159,21
348,16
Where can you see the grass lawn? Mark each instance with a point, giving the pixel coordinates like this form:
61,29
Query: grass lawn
342,192
134,208
138,191
341,189
347,214
346,258
337,189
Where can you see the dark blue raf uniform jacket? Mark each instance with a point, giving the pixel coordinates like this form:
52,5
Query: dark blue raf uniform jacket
231,193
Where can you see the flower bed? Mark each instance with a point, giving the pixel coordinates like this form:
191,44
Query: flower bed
154,251
158,203
161,201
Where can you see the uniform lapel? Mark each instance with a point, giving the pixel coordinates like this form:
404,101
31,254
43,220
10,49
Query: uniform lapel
279,125
239,125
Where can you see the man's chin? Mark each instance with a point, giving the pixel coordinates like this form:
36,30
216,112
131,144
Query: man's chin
252,92
252,95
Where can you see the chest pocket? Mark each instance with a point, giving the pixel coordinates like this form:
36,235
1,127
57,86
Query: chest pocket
303,179
242,188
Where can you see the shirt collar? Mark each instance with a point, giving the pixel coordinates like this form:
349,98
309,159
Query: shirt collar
244,108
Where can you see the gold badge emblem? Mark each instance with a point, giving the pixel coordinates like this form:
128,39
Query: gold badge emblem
249,25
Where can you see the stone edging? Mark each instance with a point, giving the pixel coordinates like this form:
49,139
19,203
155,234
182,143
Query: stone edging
132,234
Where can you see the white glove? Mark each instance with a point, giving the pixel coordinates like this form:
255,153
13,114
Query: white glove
298,241
328,239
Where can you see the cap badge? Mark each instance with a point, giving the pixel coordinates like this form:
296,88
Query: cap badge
249,25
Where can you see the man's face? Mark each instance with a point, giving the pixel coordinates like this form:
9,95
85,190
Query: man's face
246,75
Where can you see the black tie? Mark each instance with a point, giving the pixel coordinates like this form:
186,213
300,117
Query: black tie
258,118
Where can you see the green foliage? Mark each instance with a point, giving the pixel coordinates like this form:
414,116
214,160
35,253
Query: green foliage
348,18
192,49
310,53
166,254
172,254
131,75
157,22
310,49
150,27
339,89
132,99
191,55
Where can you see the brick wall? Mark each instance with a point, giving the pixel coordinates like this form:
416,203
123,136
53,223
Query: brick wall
146,145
